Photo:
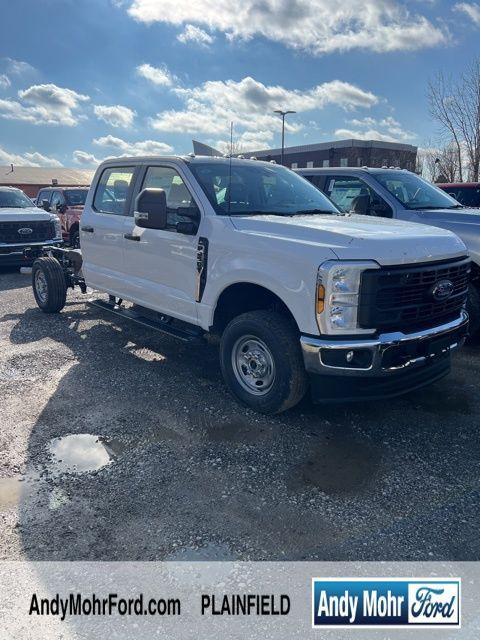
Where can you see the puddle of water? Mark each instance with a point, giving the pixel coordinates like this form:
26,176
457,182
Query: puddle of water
344,465
83,452
12,489
234,431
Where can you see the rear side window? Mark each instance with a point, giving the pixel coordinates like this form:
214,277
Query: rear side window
113,189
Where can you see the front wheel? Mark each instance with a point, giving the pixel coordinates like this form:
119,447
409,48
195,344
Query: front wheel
262,363
49,286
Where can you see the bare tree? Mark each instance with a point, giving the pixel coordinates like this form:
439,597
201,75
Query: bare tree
455,105
439,164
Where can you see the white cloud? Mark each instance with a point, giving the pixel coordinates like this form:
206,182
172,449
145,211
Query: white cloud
4,81
249,104
471,9
18,67
194,34
30,159
159,76
49,105
386,129
318,26
121,148
116,116
141,148
85,159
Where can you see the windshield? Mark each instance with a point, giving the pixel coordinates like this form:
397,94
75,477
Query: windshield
14,199
76,197
468,196
255,189
414,192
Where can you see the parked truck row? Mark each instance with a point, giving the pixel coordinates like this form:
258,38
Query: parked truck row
302,296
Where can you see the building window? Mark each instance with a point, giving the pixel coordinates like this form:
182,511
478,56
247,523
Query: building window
344,162
359,162
294,165
310,164
326,163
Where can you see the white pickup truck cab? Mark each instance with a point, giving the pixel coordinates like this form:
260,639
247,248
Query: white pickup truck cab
301,296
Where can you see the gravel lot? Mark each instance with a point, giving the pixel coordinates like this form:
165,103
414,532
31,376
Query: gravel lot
169,466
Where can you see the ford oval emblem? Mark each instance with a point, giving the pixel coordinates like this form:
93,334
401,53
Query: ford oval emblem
25,231
442,290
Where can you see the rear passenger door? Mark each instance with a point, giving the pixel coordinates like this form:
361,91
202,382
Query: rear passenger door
102,230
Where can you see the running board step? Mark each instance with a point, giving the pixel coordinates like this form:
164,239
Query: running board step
187,335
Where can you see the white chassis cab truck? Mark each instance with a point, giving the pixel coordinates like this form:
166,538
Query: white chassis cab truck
301,296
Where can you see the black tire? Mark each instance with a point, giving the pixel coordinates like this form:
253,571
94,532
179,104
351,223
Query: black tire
75,239
280,337
49,272
473,309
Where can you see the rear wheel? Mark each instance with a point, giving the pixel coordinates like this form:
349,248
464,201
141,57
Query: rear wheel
49,286
262,363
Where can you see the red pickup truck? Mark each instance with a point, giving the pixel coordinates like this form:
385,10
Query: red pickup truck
467,193
67,203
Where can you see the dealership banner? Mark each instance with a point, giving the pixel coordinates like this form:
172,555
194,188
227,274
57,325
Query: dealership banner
244,600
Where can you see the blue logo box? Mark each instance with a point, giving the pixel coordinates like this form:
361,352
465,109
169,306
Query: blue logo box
385,602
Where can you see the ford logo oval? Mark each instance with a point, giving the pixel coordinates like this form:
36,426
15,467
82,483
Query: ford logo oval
442,290
25,231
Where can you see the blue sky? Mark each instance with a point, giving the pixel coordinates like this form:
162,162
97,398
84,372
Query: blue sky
81,81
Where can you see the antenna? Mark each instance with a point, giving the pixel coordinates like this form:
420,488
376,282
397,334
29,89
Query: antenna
230,168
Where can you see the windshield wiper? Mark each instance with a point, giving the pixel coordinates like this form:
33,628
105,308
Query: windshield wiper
257,213
305,212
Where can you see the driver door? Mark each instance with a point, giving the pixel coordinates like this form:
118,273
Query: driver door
161,263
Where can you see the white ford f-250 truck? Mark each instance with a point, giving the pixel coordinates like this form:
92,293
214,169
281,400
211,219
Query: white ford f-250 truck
301,296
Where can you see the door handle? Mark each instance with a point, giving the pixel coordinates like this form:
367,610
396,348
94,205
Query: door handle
88,229
130,236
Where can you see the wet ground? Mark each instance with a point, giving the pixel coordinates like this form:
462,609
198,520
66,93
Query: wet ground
118,443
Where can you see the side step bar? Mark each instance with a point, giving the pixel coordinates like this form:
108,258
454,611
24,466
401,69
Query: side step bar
187,335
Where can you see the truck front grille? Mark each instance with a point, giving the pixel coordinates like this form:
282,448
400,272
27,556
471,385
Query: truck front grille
16,232
403,298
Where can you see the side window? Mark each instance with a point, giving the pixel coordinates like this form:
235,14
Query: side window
181,207
354,195
57,200
112,190
316,180
43,195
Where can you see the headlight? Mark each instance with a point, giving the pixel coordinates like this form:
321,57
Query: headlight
338,288
58,227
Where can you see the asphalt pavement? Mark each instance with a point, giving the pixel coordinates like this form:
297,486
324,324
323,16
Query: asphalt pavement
117,443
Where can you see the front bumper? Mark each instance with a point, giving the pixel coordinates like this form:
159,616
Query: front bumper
18,254
389,365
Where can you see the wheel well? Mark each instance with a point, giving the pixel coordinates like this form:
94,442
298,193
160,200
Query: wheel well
242,297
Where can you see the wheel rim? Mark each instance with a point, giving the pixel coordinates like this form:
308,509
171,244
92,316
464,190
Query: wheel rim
253,365
41,286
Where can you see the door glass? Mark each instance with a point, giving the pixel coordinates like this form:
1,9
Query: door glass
181,207
57,200
112,190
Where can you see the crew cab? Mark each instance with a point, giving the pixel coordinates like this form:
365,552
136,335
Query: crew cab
402,195
300,295
24,227
466,193
67,203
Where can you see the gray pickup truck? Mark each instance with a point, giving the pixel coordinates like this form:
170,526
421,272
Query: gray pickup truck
400,194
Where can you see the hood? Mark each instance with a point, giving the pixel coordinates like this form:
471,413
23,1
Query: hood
359,237
20,215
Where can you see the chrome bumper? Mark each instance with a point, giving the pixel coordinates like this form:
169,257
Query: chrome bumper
18,249
393,347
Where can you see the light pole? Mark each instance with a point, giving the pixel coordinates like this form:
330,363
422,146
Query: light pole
283,114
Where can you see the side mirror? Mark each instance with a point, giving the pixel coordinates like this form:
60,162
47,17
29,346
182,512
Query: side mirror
46,205
61,208
151,209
